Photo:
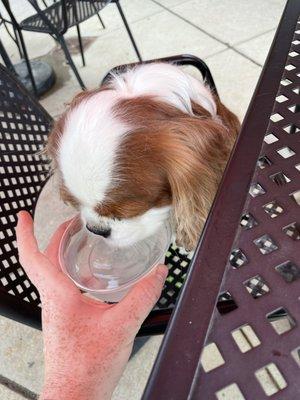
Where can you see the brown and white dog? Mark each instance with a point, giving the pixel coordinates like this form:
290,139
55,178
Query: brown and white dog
150,145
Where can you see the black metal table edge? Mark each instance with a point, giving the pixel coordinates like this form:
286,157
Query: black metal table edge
175,370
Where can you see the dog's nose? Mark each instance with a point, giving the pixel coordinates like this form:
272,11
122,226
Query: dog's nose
105,232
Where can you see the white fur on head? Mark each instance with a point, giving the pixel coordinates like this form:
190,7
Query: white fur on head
88,148
166,82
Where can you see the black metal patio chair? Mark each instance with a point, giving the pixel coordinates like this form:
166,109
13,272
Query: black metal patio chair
56,19
24,128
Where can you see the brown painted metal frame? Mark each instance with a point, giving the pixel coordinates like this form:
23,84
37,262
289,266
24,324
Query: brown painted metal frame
176,371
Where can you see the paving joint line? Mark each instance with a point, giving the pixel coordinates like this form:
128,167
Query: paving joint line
245,56
189,22
228,46
105,32
236,51
215,54
19,389
255,36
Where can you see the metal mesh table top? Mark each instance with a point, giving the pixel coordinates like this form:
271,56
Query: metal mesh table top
258,312
236,330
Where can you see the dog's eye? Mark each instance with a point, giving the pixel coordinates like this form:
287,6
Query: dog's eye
116,219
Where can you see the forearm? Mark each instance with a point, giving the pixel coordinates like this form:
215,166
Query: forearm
84,378
61,392
73,390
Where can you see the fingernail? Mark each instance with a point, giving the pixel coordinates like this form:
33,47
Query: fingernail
19,213
162,272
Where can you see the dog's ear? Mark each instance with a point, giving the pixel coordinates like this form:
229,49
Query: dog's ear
196,152
51,147
228,118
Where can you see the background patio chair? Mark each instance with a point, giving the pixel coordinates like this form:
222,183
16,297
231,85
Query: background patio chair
24,128
56,19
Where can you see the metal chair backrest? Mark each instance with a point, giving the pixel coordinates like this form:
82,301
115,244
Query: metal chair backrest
24,127
181,60
63,14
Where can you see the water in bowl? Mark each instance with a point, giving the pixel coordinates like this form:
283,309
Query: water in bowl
94,264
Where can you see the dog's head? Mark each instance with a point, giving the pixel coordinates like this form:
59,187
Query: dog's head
147,147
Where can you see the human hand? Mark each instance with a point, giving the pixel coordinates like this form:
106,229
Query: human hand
86,343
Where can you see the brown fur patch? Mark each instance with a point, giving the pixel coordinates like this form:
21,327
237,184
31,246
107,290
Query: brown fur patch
229,119
168,158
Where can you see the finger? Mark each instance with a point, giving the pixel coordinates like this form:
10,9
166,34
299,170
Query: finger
27,243
39,269
53,247
29,254
143,296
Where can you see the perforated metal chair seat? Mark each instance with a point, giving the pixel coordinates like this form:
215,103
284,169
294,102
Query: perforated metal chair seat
77,11
24,127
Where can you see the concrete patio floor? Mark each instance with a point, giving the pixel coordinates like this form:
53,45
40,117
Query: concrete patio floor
232,36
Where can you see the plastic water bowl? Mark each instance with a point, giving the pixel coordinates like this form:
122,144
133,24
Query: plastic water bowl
104,271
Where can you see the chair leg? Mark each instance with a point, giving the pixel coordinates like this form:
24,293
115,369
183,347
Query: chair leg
18,44
5,58
95,9
80,44
101,21
28,65
128,30
70,61
21,46
14,38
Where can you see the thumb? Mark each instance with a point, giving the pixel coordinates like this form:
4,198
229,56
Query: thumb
138,303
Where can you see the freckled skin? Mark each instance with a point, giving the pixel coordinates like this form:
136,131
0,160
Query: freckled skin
86,343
